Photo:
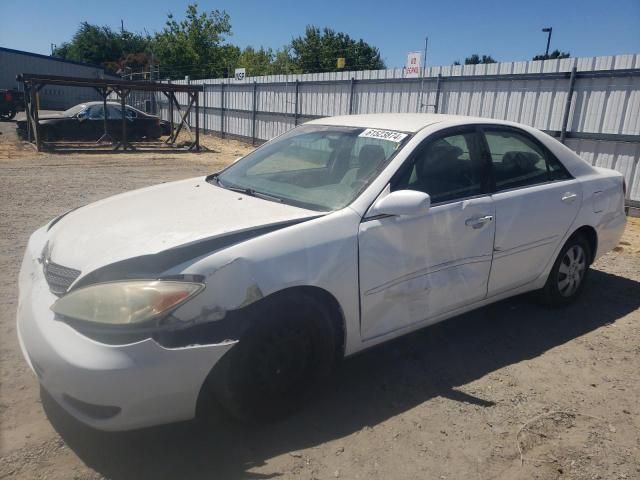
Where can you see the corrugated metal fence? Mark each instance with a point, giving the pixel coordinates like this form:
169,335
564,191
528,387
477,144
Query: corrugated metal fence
601,120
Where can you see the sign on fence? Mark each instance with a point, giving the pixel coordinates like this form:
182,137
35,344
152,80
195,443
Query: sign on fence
240,73
412,69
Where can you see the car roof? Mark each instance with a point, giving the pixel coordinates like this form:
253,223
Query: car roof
116,104
404,122
113,104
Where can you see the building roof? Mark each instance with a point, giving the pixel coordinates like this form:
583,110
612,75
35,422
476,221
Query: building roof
47,57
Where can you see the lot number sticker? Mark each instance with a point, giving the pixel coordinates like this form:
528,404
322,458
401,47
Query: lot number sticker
383,135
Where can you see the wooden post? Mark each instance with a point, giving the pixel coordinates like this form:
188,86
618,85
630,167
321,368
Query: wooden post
34,117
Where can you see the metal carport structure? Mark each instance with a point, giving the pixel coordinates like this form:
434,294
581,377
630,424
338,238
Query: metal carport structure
33,83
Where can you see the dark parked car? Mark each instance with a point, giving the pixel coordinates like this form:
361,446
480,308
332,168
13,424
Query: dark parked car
86,122
11,102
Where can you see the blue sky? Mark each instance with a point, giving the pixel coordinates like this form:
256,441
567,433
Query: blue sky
507,30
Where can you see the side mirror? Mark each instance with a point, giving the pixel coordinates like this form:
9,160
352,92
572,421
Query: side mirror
402,202
81,116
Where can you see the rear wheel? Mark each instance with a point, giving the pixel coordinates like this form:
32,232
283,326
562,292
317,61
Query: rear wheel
568,275
153,133
288,349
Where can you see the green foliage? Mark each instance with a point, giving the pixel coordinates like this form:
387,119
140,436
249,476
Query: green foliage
476,59
555,54
194,46
103,46
197,46
318,51
266,62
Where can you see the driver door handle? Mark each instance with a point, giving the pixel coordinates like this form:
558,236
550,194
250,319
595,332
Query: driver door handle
478,222
569,197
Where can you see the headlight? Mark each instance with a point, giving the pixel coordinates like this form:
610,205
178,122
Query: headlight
125,303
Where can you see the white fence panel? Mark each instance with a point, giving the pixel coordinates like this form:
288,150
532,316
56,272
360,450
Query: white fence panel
603,123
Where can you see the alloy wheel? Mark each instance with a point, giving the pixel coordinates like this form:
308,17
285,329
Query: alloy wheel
572,269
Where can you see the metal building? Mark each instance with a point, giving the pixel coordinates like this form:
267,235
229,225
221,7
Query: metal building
14,62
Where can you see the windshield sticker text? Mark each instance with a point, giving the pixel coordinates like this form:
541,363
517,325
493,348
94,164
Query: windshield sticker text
383,135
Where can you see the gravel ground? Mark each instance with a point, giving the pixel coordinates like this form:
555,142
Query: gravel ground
511,391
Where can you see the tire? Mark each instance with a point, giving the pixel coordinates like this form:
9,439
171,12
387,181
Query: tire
153,133
569,273
50,134
289,348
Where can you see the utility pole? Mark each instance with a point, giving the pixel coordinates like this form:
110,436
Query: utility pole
424,71
547,30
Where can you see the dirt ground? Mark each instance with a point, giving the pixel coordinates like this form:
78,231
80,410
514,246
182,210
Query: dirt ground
511,391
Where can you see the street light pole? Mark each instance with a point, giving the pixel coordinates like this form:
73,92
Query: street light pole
424,71
547,30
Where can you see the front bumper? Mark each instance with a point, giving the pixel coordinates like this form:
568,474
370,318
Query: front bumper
143,382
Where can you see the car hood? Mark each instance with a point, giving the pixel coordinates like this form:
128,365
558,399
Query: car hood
161,220
52,116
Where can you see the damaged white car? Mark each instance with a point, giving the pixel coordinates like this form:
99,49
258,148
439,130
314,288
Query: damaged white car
245,287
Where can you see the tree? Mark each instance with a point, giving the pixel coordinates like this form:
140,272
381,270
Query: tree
555,54
102,46
318,51
283,63
194,46
476,59
197,46
257,62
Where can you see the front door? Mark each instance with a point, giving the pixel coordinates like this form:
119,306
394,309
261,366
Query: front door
413,269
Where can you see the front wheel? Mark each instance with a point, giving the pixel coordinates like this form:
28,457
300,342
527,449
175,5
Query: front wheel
8,115
568,275
288,349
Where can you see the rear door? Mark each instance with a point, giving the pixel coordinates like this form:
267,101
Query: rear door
415,268
536,201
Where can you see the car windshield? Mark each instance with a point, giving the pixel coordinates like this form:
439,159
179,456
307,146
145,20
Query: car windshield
317,167
74,110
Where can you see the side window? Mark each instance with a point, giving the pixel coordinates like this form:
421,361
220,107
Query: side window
446,168
557,171
131,113
520,162
115,113
96,112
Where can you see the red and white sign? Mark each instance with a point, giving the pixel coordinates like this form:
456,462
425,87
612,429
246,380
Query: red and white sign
412,69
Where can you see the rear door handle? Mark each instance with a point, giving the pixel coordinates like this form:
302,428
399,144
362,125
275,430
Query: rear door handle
569,197
478,222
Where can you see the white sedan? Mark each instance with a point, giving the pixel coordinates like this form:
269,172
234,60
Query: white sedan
245,287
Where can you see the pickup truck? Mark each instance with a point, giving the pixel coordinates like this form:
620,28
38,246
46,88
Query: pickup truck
11,102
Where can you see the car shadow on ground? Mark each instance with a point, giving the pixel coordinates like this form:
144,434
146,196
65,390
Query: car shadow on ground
368,389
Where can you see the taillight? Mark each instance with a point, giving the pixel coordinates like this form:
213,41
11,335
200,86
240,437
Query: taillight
8,97
624,187
157,121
